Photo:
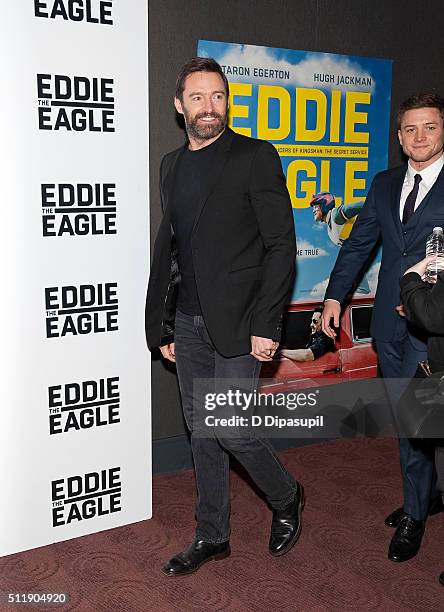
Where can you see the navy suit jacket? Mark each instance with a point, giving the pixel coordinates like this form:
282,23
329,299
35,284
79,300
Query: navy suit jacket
402,246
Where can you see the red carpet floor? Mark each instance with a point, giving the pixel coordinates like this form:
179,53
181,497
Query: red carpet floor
340,562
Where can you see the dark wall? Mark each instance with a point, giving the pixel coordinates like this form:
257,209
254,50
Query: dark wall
408,32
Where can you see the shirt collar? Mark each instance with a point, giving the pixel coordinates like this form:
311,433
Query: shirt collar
428,175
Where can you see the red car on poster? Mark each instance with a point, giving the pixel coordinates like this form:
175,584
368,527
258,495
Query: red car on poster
352,358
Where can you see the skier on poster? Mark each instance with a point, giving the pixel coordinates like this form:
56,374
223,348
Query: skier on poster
339,222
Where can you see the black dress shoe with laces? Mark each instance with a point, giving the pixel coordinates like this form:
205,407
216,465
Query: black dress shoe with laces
198,553
393,519
406,539
286,525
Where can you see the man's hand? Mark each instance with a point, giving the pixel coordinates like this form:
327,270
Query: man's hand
263,348
400,310
332,310
168,352
421,267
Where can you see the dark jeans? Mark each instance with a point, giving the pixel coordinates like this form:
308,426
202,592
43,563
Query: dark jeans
399,360
196,358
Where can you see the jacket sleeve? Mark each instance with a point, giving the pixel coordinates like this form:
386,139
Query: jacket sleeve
162,288
169,309
271,203
423,302
356,250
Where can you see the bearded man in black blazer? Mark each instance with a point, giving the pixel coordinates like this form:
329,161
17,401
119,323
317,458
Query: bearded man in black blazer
222,271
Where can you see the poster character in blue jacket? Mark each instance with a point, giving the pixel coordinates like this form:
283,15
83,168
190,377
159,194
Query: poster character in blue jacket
338,221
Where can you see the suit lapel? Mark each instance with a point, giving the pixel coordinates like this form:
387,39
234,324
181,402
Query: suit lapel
395,198
221,157
434,198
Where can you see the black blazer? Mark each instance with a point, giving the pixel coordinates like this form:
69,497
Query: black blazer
243,246
402,246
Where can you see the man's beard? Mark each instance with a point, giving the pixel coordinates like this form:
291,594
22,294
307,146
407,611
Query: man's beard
203,131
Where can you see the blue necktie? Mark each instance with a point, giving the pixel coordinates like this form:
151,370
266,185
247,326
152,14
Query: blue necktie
409,206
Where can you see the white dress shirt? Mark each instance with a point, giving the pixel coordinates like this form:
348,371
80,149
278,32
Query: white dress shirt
428,178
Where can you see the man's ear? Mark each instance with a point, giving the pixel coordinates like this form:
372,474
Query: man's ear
400,137
178,106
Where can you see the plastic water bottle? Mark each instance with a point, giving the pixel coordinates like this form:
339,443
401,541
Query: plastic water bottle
435,246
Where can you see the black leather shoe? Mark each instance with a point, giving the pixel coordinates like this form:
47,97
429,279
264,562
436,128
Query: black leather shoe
393,519
286,525
198,553
406,539
441,578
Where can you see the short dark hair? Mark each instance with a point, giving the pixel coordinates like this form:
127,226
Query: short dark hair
198,64
421,100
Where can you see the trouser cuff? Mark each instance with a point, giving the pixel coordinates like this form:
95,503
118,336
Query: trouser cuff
210,540
288,500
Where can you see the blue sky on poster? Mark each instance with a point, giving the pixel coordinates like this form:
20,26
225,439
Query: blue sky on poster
300,67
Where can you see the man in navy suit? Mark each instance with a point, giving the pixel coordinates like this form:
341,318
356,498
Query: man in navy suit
403,206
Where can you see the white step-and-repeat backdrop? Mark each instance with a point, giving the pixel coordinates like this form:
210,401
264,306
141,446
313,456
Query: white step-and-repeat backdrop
75,452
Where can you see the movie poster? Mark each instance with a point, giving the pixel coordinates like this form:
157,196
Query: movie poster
328,117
